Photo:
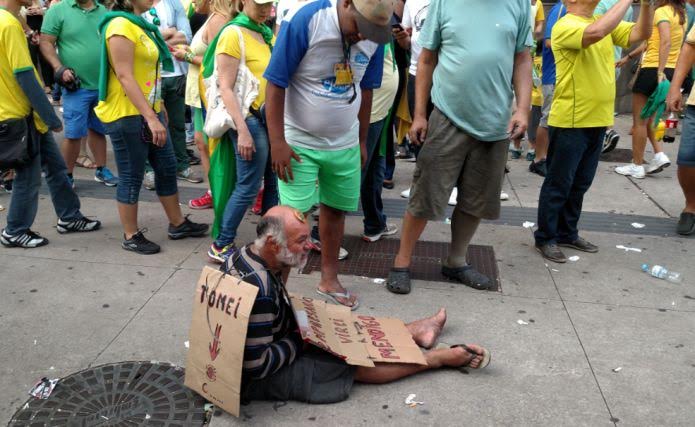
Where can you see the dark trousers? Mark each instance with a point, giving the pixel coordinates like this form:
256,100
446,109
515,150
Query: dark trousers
372,182
573,157
176,110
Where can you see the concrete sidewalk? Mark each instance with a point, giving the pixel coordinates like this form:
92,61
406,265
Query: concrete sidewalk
82,301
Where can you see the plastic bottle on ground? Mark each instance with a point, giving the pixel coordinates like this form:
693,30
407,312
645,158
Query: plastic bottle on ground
662,273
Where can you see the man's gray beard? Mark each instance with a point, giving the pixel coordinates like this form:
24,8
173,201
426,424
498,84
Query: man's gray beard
289,259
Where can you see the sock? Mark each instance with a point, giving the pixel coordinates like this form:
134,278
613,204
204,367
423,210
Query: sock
463,227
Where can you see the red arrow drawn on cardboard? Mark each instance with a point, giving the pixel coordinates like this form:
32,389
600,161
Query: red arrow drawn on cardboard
215,344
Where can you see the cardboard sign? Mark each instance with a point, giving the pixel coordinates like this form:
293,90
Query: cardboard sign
360,340
221,309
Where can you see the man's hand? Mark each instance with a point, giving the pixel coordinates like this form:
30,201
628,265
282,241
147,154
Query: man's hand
518,124
245,145
418,131
674,100
68,76
282,154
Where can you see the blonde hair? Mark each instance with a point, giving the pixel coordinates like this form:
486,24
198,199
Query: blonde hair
227,8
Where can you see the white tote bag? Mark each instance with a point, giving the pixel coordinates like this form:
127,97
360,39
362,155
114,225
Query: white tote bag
218,121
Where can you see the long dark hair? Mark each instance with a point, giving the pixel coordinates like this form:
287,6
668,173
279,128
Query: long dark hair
119,5
678,7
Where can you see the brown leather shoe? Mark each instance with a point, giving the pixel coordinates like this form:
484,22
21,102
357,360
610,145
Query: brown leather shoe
552,252
581,245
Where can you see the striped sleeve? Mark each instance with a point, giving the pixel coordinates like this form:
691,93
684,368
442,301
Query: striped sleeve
262,356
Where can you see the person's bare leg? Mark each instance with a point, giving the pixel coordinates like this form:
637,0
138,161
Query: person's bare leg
541,144
426,331
412,229
129,218
387,372
686,178
97,145
639,129
203,150
331,230
172,209
70,149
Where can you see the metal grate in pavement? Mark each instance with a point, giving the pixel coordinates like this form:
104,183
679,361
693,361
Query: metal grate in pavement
618,155
118,394
375,260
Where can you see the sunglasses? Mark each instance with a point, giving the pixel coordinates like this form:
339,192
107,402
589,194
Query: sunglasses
155,18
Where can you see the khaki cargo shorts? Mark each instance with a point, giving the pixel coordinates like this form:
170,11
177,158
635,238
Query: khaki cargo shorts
450,157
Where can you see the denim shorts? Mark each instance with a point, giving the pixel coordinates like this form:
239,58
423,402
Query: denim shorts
78,113
131,152
686,151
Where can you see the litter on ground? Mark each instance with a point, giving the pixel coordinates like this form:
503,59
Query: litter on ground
186,344
574,258
618,369
637,225
521,322
410,401
628,249
43,388
528,224
379,281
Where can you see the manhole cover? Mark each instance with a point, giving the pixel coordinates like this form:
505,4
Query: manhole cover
118,394
375,260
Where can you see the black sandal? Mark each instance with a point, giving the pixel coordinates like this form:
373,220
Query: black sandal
399,280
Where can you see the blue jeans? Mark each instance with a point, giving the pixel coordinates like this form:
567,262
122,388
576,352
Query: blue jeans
372,181
27,180
131,152
249,174
573,156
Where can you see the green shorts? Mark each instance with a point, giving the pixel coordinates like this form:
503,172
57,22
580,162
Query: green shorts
338,174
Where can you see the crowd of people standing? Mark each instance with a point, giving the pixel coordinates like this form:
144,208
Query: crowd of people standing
336,85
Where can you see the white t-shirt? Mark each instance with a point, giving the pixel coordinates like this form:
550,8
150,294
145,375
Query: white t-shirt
167,18
414,14
283,7
318,111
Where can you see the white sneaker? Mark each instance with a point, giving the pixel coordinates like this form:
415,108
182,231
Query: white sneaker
390,230
658,163
453,197
406,194
316,246
631,170
504,196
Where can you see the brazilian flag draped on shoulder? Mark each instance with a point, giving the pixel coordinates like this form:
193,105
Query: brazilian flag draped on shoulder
222,176
151,30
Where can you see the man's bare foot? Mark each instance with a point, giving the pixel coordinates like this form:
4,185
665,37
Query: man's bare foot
332,287
426,331
458,357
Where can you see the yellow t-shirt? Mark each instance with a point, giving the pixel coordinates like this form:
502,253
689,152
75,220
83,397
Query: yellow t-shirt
585,84
14,58
257,56
540,13
537,93
651,56
145,62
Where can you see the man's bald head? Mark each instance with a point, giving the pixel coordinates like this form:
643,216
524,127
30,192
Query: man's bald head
282,237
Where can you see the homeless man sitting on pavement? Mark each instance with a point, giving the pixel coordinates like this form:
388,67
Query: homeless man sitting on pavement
277,364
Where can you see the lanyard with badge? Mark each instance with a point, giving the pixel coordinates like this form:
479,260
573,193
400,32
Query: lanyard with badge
343,70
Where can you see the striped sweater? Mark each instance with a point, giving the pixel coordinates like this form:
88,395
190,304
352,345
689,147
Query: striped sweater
273,340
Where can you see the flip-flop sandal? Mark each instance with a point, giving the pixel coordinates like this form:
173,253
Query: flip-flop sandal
399,280
686,224
487,356
85,162
335,295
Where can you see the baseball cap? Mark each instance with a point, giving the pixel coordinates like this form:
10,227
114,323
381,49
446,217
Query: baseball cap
374,19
